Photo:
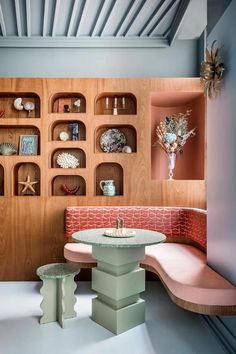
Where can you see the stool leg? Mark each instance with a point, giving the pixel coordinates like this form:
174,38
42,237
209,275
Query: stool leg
70,299
49,302
61,301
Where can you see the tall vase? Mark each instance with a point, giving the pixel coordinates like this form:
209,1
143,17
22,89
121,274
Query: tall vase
171,164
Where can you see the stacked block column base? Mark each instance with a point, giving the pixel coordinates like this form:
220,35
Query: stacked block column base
118,280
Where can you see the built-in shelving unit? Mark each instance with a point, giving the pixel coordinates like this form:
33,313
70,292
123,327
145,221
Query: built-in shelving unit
134,107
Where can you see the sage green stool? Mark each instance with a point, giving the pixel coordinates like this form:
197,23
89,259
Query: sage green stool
58,291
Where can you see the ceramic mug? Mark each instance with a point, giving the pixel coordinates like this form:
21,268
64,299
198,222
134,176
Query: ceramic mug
108,187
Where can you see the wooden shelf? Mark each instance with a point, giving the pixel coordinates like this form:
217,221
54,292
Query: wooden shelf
115,103
190,164
1,180
63,102
106,171
7,104
71,182
11,134
64,126
128,130
21,172
78,153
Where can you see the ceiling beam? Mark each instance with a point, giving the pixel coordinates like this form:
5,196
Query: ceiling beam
178,19
28,18
109,12
18,18
45,17
171,5
56,16
99,18
134,17
2,23
84,42
72,18
83,16
152,19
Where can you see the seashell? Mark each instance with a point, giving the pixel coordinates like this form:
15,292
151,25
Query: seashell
127,149
66,160
8,149
64,136
29,106
18,104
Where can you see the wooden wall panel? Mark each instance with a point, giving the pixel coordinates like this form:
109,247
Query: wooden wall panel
32,227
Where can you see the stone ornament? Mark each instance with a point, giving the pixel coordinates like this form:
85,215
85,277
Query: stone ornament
66,160
8,149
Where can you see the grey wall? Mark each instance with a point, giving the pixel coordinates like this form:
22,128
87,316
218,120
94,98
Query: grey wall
181,60
221,156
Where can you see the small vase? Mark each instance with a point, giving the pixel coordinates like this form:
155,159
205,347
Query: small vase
171,164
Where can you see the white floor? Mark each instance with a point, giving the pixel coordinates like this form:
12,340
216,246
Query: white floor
168,329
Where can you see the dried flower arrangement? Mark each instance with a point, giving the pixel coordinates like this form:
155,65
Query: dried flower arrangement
173,132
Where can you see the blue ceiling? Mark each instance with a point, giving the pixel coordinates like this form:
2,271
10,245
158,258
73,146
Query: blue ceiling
99,23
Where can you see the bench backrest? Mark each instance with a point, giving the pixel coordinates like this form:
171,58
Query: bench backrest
184,225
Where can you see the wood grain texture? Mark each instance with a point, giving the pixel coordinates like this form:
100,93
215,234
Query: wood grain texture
32,228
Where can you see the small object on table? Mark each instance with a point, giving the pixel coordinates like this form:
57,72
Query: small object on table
29,106
74,127
58,291
28,185
70,191
120,232
120,223
2,113
64,136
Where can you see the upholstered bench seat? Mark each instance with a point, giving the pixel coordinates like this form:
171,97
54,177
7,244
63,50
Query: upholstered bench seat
79,253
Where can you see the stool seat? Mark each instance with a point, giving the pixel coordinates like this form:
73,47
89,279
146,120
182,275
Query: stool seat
57,270
58,291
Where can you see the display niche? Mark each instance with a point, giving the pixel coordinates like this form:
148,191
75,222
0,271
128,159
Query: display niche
26,179
65,185
189,164
68,158
68,130
115,103
19,105
109,171
67,102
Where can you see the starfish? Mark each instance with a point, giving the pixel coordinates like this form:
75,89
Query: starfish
28,185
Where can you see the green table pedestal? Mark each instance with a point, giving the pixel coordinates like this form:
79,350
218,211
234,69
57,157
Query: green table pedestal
58,292
118,280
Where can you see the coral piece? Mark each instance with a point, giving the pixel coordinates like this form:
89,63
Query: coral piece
66,160
28,185
70,191
8,149
2,113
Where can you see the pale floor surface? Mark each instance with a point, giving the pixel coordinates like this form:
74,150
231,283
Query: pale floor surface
168,328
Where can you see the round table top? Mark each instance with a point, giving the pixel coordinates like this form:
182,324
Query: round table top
95,237
57,270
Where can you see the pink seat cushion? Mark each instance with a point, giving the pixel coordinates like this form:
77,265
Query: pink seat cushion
78,252
184,270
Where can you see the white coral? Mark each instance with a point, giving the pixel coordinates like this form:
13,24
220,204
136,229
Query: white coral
66,160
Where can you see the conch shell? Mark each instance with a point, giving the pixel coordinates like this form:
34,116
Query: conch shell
18,104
